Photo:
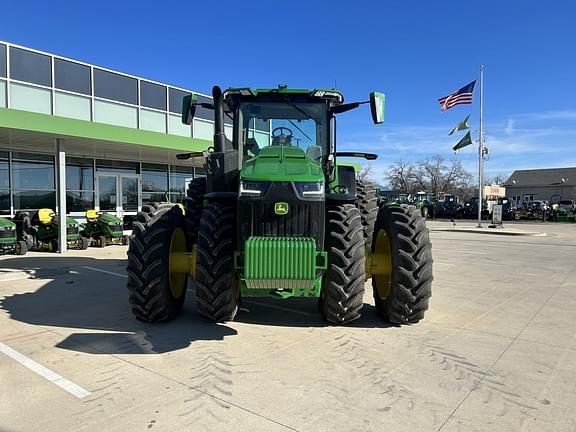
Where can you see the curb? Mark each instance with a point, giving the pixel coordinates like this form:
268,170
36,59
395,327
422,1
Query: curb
494,231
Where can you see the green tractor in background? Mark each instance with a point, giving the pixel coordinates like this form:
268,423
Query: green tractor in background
425,202
39,230
103,229
9,242
280,217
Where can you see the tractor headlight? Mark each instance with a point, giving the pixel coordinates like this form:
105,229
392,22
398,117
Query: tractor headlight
253,188
309,189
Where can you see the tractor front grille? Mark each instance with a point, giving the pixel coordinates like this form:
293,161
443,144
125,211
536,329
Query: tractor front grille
116,228
71,230
257,217
7,233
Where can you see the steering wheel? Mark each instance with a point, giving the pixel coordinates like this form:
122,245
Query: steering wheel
280,130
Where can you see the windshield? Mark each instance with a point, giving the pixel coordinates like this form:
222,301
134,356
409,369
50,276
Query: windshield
302,125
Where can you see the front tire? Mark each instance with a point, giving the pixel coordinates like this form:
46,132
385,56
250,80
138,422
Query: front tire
401,237
84,242
217,287
21,247
193,203
155,294
342,295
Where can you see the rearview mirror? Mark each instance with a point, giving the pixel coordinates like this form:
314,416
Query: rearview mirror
377,102
188,108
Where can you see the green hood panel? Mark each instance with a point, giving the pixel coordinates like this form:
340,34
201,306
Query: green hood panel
282,163
110,219
7,223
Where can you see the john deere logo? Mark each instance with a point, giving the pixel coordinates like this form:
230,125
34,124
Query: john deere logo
281,208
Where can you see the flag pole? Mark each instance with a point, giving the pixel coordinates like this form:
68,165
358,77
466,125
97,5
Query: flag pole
481,149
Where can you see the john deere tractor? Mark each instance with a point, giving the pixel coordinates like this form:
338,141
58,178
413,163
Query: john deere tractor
9,242
39,230
278,216
103,229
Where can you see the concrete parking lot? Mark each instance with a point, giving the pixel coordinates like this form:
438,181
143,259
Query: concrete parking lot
496,352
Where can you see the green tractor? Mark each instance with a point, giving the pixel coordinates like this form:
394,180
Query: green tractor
39,230
279,217
103,229
425,202
9,242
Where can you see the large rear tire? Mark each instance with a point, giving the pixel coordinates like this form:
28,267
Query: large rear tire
193,204
155,293
342,295
367,203
401,237
217,288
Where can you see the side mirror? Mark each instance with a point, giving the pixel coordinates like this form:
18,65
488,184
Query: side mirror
188,108
377,102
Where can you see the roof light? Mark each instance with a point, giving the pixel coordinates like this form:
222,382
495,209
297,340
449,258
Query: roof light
245,91
328,94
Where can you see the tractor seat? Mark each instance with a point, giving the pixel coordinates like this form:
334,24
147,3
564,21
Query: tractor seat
45,216
91,215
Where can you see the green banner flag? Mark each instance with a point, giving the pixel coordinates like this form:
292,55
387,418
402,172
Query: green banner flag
461,126
465,141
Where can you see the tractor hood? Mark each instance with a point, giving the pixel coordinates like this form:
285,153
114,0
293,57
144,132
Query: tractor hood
109,219
282,163
7,224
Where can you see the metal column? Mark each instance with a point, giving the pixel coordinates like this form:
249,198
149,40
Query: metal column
61,194
481,149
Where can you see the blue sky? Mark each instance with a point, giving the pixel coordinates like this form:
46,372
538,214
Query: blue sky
414,51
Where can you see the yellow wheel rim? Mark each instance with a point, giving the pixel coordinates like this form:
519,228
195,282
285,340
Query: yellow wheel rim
177,279
382,261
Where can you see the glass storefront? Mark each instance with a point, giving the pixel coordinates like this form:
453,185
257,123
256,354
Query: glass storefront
27,181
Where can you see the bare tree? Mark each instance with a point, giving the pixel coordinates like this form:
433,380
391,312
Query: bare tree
498,179
366,173
434,175
400,176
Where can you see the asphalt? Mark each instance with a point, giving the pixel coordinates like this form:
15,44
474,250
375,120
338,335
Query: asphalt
496,351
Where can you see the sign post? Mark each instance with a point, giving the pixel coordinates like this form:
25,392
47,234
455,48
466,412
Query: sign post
497,215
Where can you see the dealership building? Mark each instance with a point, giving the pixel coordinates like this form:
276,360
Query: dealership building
81,136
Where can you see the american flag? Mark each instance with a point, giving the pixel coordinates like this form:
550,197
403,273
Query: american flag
462,96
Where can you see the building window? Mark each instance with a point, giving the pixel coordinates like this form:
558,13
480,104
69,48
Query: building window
30,67
175,103
33,181
79,184
154,183
152,95
4,184
180,176
116,87
207,113
72,77
124,167
2,60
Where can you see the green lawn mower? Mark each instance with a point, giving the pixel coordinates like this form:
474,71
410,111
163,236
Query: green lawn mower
103,229
39,230
9,243
278,216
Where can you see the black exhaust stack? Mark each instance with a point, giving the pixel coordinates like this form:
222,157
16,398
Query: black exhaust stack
219,137
222,163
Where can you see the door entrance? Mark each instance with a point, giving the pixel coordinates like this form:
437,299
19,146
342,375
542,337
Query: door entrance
119,194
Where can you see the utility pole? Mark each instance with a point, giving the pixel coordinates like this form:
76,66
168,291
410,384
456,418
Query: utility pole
481,149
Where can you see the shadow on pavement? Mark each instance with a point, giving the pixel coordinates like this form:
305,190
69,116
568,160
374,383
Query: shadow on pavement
98,302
